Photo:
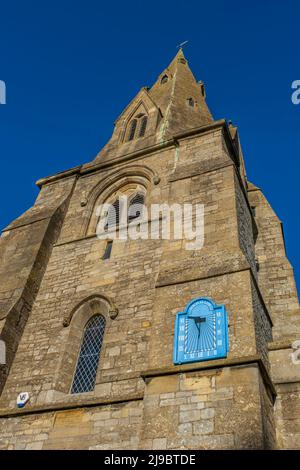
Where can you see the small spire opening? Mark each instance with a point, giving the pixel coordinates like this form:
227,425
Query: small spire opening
202,87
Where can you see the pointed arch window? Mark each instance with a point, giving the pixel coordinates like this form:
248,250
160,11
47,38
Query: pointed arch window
143,126
137,127
164,79
126,204
89,355
136,206
132,129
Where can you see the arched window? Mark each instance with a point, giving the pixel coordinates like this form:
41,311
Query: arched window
191,102
123,210
88,360
132,129
143,126
137,127
164,79
136,205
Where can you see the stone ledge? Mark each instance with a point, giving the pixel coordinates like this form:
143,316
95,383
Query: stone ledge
276,345
67,405
220,363
63,174
285,382
148,374
117,229
198,170
168,277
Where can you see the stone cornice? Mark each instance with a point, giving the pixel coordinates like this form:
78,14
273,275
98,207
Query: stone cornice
58,176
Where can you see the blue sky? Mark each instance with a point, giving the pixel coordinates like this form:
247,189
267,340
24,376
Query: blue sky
71,67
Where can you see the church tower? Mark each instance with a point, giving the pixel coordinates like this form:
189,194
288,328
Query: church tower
150,342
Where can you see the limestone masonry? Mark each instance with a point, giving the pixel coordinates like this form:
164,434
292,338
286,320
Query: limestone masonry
167,147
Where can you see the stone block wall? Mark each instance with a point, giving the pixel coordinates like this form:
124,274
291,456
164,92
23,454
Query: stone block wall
109,427
26,246
216,409
276,278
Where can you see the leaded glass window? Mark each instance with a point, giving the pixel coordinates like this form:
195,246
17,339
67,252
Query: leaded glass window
88,360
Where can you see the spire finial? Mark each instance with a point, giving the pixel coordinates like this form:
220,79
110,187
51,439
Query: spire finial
182,44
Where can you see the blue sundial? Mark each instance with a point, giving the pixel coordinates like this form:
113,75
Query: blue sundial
201,332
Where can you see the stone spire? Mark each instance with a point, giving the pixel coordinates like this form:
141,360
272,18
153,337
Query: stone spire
174,104
180,98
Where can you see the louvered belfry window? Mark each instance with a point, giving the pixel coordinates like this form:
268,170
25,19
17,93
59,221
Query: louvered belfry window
113,216
88,360
136,205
